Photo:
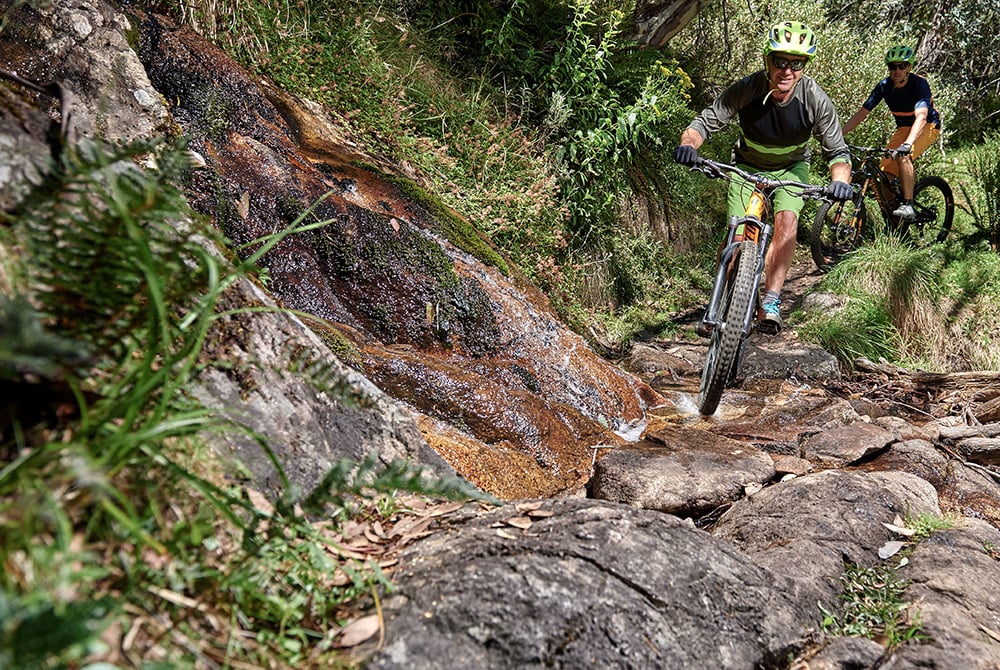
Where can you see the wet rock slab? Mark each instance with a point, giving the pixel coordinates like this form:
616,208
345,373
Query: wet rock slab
783,357
442,322
847,444
964,489
597,584
682,471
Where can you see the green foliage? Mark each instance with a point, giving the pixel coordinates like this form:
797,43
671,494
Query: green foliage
109,269
982,194
873,606
892,306
36,629
903,275
603,104
972,285
872,598
114,295
925,525
863,329
100,264
604,108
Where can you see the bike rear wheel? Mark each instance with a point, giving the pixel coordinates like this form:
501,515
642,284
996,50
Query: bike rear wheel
934,208
727,335
839,228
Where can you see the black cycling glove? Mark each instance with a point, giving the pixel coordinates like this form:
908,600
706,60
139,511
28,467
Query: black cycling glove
903,149
686,155
839,190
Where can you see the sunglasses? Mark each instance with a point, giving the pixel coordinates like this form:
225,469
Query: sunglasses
898,66
780,63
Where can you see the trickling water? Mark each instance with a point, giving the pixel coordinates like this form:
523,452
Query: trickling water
436,326
632,431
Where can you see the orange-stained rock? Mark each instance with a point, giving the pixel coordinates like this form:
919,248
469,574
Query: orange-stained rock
444,322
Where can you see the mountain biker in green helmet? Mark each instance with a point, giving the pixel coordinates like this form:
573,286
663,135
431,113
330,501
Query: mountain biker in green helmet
918,124
778,109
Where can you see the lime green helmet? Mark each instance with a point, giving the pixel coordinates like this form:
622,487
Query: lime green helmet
900,54
791,37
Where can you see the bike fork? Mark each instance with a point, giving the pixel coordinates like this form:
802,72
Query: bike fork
752,230
726,255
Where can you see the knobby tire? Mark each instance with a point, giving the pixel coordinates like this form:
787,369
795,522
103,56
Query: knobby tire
932,196
838,229
727,335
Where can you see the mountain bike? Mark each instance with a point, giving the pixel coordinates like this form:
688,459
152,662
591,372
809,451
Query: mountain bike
841,227
734,306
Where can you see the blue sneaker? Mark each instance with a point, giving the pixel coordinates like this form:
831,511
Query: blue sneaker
770,320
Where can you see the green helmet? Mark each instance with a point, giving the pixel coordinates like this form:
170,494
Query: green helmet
791,37
900,54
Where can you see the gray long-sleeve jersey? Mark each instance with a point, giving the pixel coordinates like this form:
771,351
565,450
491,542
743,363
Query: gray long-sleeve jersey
773,135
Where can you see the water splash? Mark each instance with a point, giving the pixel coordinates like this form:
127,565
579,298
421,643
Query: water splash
686,405
631,431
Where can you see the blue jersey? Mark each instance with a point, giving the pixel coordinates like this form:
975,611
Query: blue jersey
904,101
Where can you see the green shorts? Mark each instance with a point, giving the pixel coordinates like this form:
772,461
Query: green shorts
740,189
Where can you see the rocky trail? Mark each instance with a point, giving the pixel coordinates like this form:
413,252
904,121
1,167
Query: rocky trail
733,541
736,541
727,542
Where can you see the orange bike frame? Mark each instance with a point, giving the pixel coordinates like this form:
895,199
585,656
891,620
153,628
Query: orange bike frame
755,209
750,226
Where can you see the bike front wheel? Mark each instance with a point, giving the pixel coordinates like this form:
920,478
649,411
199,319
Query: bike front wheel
934,210
727,335
839,228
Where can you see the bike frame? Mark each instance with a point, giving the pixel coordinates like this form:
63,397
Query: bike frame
750,226
838,229
878,183
735,299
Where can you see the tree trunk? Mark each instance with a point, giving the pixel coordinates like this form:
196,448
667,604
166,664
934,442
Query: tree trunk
656,21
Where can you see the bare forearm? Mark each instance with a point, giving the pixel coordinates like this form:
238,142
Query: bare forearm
692,138
919,123
853,122
840,172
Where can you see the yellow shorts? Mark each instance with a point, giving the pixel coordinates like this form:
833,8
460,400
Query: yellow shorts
926,138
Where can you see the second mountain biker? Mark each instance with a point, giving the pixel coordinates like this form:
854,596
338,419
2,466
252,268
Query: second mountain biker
918,124
778,110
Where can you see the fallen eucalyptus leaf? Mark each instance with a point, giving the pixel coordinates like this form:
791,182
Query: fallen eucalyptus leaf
890,548
521,522
540,513
358,631
989,631
899,530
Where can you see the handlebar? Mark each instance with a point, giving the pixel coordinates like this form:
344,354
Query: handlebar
717,170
